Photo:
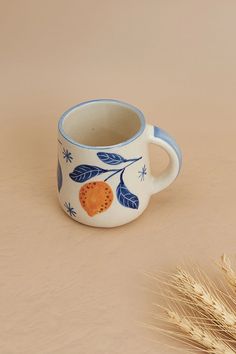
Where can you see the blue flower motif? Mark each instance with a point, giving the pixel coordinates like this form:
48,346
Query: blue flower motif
67,155
71,211
142,173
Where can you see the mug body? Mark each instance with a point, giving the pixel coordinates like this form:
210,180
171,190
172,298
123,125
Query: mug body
103,163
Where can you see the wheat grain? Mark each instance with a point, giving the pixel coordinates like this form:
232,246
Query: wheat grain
209,341
228,271
206,300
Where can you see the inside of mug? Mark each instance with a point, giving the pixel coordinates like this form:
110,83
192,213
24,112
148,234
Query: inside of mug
101,123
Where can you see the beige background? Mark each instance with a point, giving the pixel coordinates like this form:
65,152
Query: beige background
71,289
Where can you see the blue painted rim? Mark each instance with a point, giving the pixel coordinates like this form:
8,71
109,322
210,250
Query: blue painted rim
104,100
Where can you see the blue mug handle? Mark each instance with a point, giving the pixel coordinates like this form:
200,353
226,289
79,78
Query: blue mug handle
161,138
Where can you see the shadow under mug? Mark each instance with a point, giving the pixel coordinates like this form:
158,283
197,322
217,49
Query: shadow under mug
103,172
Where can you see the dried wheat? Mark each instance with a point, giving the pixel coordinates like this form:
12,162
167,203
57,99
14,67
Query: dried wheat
209,341
202,297
228,271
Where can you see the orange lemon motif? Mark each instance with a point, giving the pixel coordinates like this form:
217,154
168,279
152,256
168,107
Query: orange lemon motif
95,197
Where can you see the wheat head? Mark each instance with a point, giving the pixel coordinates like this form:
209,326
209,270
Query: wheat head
228,271
204,338
206,300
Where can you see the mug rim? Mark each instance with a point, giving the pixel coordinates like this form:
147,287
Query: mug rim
138,112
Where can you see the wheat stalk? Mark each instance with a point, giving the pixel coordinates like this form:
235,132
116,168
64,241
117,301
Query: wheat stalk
207,301
205,338
228,271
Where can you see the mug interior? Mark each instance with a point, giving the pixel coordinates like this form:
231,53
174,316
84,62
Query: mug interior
101,123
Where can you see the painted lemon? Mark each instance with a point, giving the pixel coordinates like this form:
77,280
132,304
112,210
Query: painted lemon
95,197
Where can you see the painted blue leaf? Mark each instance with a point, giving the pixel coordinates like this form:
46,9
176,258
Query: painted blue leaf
59,176
125,197
82,173
110,159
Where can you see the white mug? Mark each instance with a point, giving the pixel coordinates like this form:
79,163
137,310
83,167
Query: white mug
104,176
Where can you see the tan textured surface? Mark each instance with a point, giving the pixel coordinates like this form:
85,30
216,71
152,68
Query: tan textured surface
71,289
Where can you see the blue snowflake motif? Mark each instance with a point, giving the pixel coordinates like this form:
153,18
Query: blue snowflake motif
67,155
71,211
142,173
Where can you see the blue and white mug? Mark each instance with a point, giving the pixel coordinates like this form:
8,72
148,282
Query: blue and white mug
104,176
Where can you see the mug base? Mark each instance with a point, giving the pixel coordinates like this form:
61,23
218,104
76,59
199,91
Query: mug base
105,225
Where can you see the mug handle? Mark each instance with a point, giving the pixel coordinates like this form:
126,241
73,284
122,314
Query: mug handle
159,137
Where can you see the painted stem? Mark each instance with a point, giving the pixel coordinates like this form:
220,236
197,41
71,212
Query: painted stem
133,160
122,169
113,174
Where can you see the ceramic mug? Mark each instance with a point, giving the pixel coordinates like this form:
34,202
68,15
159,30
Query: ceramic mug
104,176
